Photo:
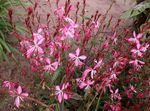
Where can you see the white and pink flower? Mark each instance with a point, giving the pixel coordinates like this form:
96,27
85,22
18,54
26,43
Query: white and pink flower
35,48
76,58
135,38
50,66
20,96
61,92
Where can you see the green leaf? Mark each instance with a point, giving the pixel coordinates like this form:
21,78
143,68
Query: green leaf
56,74
2,53
4,44
138,9
20,28
57,107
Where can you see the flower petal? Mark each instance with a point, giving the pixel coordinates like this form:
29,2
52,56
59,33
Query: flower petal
65,96
77,51
17,102
139,35
30,51
83,57
40,50
19,90
77,62
57,88
25,94
82,85
85,73
60,97
134,34
72,56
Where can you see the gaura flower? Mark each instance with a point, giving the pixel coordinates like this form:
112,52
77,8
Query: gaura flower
114,38
135,38
20,96
8,85
38,39
76,58
60,92
113,75
71,22
119,62
137,63
69,30
140,50
115,95
60,12
50,66
96,24
84,83
132,89
93,71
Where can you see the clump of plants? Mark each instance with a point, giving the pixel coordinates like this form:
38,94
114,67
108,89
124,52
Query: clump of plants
78,65
7,50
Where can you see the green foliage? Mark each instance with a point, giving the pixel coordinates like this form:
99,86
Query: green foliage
141,14
6,28
137,10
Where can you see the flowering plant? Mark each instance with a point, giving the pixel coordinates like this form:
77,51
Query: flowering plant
80,64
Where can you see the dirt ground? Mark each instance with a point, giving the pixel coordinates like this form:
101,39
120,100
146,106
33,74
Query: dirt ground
118,7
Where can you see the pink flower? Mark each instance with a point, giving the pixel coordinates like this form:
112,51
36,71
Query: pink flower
84,83
50,66
8,84
113,75
89,70
53,46
71,22
119,62
105,44
92,71
132,89
76,58
60,12
106,82
25,44
38,39
96,24
140,50
98,63
137,63
114,38
129,94
115,95
116,107
135,38
69,30
60,92
20,96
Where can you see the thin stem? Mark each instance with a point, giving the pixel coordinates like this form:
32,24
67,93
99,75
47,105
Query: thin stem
98,101
88,107
37,101
60,107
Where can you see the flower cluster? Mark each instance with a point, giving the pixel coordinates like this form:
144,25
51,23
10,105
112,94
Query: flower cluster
81,57
16,91
138,51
